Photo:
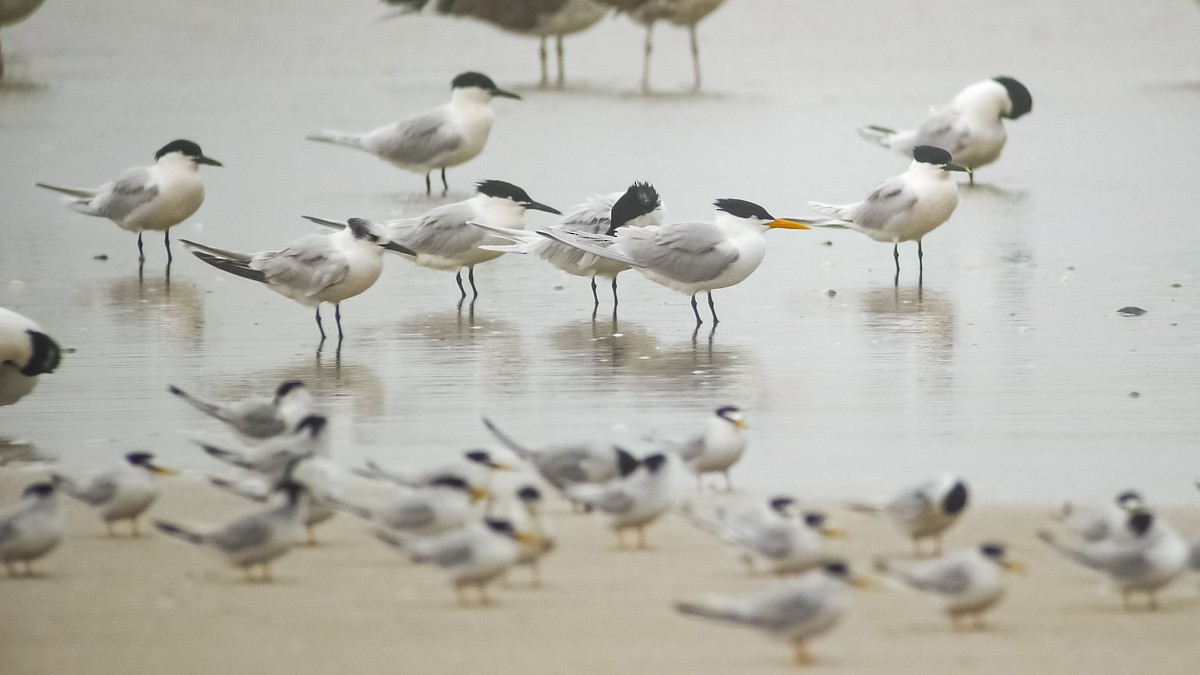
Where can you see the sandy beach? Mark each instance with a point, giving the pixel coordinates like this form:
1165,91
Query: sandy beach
155,605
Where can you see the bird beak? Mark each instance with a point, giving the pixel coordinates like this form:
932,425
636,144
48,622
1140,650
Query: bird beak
478,493
1014,566
529,539
500,466
833,533
863,583
951,166
208,160
536,206
788,224
163,471
505,94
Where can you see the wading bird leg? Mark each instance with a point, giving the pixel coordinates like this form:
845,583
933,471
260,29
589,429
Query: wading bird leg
141,255
428,187
167,243
471,278
445,185
542,55
562,69
713,308
695,57
699,321
458,279
646,62
614,287
595,297
319,326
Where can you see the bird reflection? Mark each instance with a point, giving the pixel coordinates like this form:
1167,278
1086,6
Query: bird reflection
150,306
913,319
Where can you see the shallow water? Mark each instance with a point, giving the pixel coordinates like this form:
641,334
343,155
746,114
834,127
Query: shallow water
1009,365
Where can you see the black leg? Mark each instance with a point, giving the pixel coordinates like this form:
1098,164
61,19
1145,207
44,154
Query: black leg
921,258
337,315
595,297
971,178
696,311
445,185
896,256
614,294
458,278
713,308
319,326
471,278
167,242
428,187
141,255
542,54
562,69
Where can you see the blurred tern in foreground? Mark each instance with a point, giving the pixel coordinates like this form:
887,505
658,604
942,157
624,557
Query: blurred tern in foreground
444,504
448,135
1145,557
274,458
476,467
1098,524
31,529
321,476
121,493
566,464
638,206
256,420
473,556
765,535
690,257
970,127
313,269
718,447
923,511
255,539
902,208
445,239
795,611
679,12
16,11
25,353
528,518
156,197
631,502
968,582
540,18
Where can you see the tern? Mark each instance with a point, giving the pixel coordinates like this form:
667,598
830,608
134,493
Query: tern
476,467
795,611
258,538
313,269
31,529
155,198
765,535
274,458
122,493
446,136
443,505
321,476
1097,524
968,582
902,208
923,511
1146,556
690,257
528,518
638,206
679,12
540,18
631,502
256,420
445,238
16,11
718,447
970,127
25,353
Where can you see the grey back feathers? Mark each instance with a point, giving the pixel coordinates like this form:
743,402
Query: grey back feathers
1022,100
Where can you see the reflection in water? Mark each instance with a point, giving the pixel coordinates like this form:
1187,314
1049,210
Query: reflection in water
465,350
914,325
624,348
158,307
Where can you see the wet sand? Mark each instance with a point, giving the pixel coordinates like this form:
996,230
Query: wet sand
156,605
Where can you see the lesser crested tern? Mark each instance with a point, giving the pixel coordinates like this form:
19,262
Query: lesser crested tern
31,529
258,419
124,492
968,583
766,536
923,511
718,447
633,501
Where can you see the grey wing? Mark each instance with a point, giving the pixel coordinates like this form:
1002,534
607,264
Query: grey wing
942,129
779,612
97,491
687,252
891,200
416,140
130,190
242,534
692,448
615,500
257,419
946,577
308,265
1128,564
8,528
442,232
565,466
455,552
408,516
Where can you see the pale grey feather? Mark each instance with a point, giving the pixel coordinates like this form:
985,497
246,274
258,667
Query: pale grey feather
890,202
705,250
942,129
442,232
242,534
307,266
116,201
417,140
408,516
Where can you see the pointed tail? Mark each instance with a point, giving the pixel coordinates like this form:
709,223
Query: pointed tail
876,134
78,193
717,609
506,440
337,138
178,531
587,244
205,407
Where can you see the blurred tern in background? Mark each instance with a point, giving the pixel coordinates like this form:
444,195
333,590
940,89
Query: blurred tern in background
445,239
690,257
121,493
1098,524
968,582
274,458
255,539
631,502
679,12
764,534
156,197
638,206
902,208
312,269
540,18
718,447
970,127
923,511
795,611
256,420
476,468
448,135
25,353
31,529
444,504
